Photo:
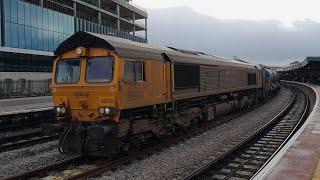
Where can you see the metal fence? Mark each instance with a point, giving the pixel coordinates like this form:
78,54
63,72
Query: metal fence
24,88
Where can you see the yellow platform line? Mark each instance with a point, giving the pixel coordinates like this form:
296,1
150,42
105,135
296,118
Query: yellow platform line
316,175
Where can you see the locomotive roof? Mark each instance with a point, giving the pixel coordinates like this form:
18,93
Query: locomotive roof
130,49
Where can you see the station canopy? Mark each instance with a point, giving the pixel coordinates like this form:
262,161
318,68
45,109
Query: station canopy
308,63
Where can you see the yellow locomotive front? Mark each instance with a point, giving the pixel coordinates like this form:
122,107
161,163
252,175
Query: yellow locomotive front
84,89
83,85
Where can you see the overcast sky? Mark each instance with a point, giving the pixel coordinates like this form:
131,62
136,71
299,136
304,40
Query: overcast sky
272,32
286,11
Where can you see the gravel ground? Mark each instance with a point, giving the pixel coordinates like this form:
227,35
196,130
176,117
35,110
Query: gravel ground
20,132
21,160
175,161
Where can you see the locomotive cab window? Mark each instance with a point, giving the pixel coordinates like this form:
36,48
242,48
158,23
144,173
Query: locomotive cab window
68,71
133,71
252,79
100,69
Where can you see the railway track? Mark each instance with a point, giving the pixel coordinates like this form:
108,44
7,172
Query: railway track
246,157
79,168
42,170
24,126
24,140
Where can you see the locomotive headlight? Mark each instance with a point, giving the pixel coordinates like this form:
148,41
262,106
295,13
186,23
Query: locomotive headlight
101,110
63,110
107,110
58,110
79,50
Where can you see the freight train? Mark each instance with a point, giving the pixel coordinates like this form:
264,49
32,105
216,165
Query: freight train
111,94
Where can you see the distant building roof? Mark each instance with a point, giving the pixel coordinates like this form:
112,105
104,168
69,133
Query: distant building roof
294,63
309,61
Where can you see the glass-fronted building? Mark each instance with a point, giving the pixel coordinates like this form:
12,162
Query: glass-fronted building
32,29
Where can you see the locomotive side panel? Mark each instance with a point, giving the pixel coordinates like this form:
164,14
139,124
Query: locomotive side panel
142,83
209,78
202,80
259,77
232,78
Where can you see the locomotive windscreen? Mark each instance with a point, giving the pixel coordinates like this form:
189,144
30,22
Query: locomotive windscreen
186,76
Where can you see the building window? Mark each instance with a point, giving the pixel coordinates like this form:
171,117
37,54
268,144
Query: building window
28,37
21,14
51,21
45,19
33,16
29,26
15,62
36,2
8,34
40,39
22,40
27,13
39,17
7,10
14,10
45,40
63,6
15,35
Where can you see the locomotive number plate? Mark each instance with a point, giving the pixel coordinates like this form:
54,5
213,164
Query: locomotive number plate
106,101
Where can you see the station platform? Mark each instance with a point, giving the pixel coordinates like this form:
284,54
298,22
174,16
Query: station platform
25,105
300,158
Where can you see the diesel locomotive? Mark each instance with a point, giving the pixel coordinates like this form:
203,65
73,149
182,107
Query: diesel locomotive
111,94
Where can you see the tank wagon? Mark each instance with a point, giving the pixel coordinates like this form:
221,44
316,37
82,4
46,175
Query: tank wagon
271,80
111,94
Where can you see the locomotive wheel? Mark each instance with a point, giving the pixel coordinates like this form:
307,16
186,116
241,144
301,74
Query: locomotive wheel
194,123
246,106
177,129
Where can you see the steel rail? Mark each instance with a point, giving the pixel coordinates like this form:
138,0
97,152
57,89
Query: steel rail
29,141
41,170
14,138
